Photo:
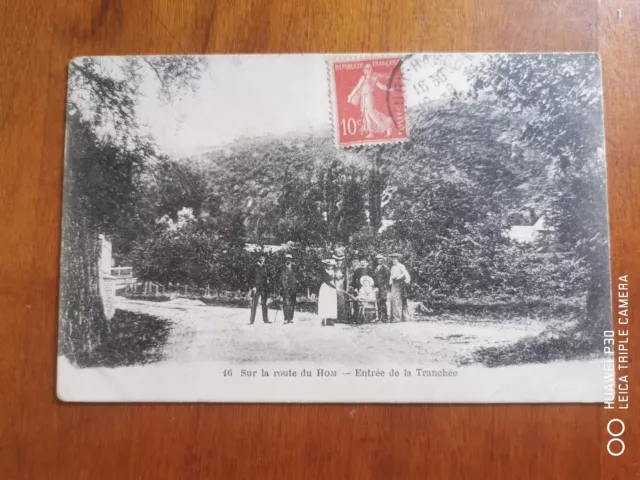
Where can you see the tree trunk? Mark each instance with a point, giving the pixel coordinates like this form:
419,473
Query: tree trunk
82,319
598,315
375,194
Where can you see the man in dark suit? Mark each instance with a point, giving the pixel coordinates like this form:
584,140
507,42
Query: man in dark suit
381,282
259,290
361,270
288,289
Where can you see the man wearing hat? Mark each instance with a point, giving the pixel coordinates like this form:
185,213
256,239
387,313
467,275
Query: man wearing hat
288,288
260,290
398,279
381,282
362,269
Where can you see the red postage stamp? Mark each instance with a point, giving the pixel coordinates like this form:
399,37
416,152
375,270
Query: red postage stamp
368,101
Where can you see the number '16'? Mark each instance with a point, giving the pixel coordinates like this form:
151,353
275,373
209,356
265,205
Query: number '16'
349,126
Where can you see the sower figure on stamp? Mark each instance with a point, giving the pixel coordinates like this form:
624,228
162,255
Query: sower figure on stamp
288,289
381,282
363,94
398,279
259,290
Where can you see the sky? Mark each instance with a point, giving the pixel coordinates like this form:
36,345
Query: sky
254,95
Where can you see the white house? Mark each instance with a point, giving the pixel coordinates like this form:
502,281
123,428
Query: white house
530,233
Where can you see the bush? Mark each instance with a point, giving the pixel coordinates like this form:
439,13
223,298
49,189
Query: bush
148,298
459,269
551,345
131,339
495,307
520,270
186,253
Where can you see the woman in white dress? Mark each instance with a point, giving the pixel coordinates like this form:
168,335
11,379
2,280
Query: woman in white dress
373,121
328,297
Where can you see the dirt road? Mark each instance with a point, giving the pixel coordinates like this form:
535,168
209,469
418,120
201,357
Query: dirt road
223,334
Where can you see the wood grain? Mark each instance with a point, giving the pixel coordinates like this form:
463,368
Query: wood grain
41,438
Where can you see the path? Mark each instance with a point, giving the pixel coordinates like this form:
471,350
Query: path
203,333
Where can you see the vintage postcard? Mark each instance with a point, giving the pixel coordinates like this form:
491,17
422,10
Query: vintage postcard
393,227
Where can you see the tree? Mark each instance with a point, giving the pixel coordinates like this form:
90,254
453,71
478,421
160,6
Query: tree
184,252
559,98
453,183
105,164
376,187
353,206
183,184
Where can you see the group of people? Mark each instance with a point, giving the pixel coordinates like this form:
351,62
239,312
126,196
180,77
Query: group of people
347,301
345,296
260,290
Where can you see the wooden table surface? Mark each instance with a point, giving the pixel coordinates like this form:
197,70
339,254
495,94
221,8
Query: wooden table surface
41,438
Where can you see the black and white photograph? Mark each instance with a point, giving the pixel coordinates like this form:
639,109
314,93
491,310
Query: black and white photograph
379,228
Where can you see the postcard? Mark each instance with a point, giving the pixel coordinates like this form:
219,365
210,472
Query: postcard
377,228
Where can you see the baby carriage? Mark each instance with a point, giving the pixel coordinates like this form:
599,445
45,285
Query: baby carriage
367,302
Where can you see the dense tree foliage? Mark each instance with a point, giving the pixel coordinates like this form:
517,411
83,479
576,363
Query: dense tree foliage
106,176
472,166
559,99
520,145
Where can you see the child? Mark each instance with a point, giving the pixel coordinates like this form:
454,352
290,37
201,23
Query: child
367,297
